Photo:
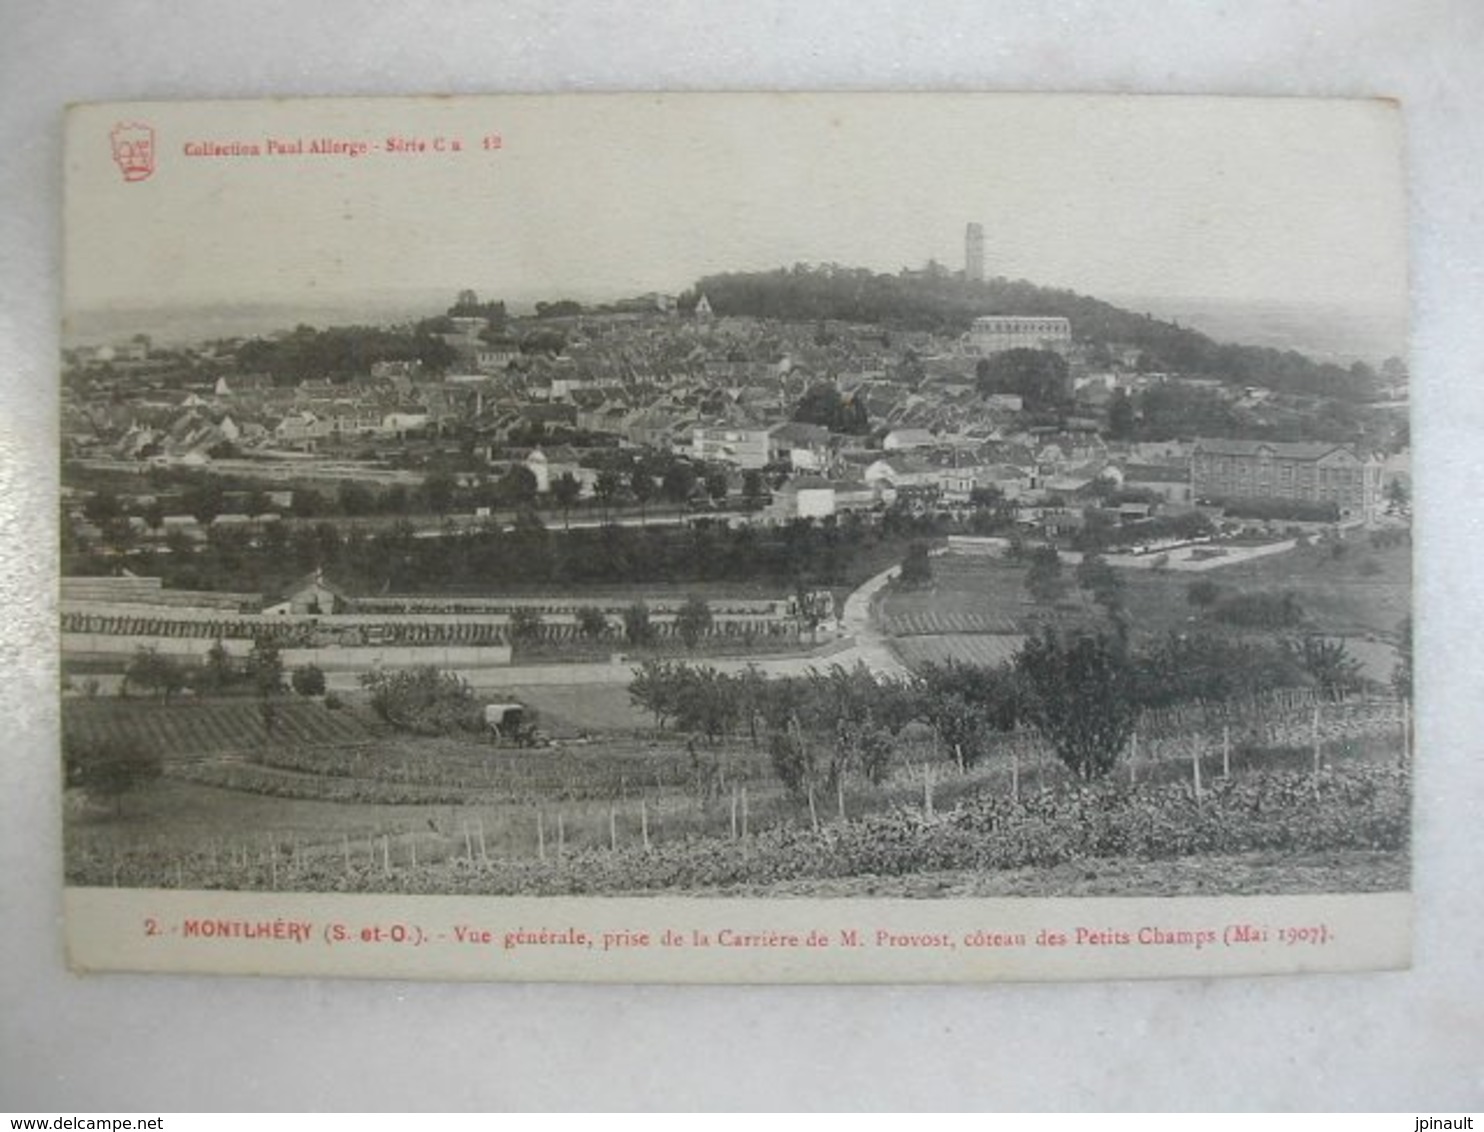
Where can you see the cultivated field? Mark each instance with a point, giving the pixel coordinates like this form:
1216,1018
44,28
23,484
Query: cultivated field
1363,590
987,649
638,811
189,729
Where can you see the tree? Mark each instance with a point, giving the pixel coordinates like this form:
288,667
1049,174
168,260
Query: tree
606,488
1202,593
423,700
396,500
1329,664
355,499
1096,532
220,673
752,489
109,766
1098,578
1039,377
716,487
641,483
517,487
265,667
823,405
1120,415
679,482
591,622
693,621
1401,675
1044,577
102,507
154,672
525,626
258,503
566,489
205,499
963,703
307,504
1080,697
652,690
1398,498
1187,667
438,491
917,567
794,758
638,630
308,680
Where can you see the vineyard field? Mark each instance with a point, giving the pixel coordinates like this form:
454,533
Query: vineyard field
190,729
951,617
986,649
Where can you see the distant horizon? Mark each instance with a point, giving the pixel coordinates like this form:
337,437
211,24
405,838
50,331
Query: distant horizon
1223,197
1378,332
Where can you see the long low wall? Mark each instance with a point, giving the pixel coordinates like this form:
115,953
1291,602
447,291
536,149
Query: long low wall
340,620
331,658
354,659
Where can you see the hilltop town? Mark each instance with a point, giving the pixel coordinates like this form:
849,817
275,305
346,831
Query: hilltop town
780,541
1007,422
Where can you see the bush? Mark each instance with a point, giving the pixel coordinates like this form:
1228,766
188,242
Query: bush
308,680
525,626
109,766
637,627
591,622
1281,510
1260,610
1203,593
1080,697
155,672
1044,579
693,621
423,700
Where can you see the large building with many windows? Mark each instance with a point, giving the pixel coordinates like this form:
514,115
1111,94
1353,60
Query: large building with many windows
994,334
1306,472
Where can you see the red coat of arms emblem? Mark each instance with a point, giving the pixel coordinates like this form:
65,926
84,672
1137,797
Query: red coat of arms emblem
134,149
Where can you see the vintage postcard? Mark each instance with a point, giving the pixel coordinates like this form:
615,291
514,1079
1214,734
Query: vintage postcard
736,538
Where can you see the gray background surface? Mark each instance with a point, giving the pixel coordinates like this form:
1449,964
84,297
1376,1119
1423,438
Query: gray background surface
1408,1041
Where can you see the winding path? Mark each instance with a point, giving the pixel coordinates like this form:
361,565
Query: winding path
870,648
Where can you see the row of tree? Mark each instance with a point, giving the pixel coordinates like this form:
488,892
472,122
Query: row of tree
1083,691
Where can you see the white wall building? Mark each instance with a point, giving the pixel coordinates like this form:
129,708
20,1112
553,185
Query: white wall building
994,334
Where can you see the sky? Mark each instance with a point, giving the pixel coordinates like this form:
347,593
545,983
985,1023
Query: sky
598,196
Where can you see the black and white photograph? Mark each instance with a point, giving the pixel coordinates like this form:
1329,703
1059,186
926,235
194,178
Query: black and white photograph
937,515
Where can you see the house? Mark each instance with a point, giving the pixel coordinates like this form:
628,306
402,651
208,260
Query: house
1168,481
804,447
901,438
649,428
808,497
746,446
902,471
311,595
1305,471
401,423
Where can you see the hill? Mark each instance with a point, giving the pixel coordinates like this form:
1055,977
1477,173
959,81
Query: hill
943,303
